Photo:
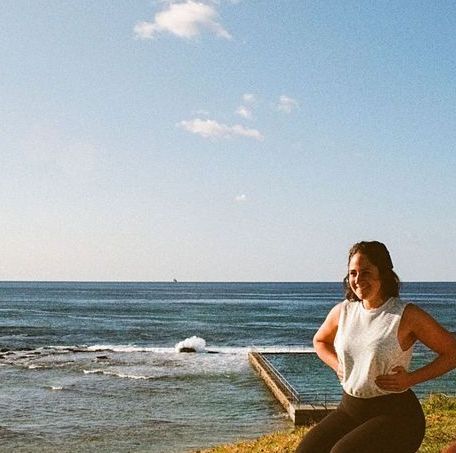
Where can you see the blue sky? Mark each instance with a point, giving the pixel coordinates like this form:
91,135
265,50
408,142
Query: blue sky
225,140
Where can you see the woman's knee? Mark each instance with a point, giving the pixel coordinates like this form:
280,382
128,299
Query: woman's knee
325,434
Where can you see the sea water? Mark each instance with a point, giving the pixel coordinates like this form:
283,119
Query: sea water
97,367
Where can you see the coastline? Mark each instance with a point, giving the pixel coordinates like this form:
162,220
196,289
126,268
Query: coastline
90,367
439,409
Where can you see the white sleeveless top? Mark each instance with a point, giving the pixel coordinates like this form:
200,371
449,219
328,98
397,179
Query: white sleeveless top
367,346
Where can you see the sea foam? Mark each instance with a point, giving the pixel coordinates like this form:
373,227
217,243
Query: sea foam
193,343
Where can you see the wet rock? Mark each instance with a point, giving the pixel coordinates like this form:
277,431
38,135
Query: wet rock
187,349
6,433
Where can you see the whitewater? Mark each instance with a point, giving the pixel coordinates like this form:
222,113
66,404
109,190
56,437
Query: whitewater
100,367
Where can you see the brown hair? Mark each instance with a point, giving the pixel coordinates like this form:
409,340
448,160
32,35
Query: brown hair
377,253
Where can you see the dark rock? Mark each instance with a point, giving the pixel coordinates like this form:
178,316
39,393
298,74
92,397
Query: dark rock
187,349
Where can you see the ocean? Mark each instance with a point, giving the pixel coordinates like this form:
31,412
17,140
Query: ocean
93,366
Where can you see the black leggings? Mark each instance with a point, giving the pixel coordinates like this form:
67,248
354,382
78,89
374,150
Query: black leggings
392,423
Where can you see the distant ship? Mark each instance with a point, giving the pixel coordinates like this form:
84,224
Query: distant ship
174,280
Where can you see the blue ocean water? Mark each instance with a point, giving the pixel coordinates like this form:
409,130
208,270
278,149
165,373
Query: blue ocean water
93,366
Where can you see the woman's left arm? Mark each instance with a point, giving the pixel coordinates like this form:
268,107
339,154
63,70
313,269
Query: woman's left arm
423,327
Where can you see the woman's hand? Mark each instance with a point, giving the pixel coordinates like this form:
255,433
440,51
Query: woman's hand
397,382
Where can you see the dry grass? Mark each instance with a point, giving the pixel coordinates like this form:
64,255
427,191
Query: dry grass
281,442
440,411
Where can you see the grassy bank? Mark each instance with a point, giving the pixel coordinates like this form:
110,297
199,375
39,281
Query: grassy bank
440,414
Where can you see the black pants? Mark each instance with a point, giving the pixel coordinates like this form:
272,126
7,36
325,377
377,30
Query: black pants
385,424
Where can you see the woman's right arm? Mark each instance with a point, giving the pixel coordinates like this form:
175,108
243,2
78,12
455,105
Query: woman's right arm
323,340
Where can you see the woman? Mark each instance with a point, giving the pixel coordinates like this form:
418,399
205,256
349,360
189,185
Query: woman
368,340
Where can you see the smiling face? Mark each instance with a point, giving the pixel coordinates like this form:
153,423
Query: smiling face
365,281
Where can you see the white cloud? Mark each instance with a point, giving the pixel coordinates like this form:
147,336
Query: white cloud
287,104
184,19
245,112
213,129
240,198
248,98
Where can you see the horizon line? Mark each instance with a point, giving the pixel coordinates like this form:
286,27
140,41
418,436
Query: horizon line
206,281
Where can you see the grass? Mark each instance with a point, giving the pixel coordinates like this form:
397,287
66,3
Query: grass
440,411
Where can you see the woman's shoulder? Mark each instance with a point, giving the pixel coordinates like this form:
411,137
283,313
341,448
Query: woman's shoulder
414,317
343,308
350,304
334,314
346,303
427,330
410,309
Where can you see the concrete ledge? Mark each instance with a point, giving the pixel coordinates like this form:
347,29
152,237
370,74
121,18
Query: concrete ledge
307,415
301,414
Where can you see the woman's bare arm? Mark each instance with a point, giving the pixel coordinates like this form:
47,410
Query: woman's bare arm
427,330
323,340
423,327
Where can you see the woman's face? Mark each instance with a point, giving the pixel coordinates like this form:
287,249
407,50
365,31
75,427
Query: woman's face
364,278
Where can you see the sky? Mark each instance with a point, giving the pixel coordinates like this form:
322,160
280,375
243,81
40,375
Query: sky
228,140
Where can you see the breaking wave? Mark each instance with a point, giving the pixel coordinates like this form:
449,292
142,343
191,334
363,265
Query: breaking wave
192,344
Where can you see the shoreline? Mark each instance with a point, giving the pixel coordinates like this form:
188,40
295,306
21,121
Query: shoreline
440,436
